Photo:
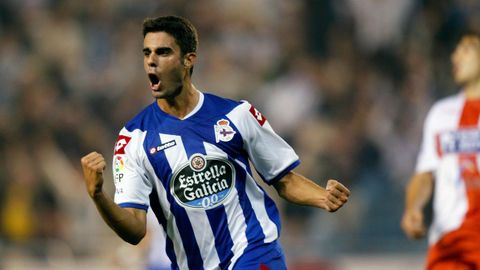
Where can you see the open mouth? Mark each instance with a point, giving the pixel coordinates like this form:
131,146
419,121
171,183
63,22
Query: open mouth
154,81
153,78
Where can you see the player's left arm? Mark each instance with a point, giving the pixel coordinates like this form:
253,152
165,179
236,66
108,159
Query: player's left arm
298,189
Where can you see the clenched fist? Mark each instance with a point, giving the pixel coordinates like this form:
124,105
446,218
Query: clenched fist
337,195
93,165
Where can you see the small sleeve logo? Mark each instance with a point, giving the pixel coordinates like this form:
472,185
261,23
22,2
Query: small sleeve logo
118,171
122,142
257,115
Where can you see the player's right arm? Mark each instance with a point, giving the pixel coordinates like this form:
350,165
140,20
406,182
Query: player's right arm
128,223
418,193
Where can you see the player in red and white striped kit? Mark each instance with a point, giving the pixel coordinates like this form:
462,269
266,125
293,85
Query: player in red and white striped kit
449,165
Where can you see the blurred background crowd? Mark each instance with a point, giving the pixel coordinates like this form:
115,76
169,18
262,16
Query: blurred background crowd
347,82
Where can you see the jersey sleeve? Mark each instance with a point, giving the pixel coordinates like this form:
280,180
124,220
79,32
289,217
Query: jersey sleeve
428,157
272,157
132,185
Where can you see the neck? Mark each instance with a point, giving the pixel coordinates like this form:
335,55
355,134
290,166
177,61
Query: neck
472,90
182,104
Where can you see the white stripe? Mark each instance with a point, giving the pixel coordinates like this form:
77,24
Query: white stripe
450,202
256,196
235,217
176,157
172,230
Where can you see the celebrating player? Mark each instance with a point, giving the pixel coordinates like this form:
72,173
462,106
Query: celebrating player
186,156
449,157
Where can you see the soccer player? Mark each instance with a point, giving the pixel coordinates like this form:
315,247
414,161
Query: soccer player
186,156
448,162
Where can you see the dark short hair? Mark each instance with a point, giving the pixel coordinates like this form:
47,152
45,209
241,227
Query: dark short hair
179,28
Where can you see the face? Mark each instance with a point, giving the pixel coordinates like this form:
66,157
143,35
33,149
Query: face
466,61
163,63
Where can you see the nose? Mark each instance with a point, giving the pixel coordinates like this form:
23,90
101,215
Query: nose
151,62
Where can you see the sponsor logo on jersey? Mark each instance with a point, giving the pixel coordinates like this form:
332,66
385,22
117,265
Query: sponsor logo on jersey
121,143
257,115
162,147
223,131
204,182
459,141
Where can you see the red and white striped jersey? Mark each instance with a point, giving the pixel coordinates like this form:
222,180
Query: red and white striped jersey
450,149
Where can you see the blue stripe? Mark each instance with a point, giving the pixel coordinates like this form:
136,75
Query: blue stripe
188,237
223,240
163,171
193,143
254,231
134,205
270,206
272,211
157,210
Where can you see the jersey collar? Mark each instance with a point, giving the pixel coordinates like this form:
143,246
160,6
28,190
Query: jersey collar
189,115
197,107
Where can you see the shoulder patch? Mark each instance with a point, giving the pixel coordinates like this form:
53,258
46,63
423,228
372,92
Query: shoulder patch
257,115
121,143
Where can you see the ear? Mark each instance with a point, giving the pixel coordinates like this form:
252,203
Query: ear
189,59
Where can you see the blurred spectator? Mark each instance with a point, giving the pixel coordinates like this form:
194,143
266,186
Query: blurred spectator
30,213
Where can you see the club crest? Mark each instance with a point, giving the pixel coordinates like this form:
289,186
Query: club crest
223,131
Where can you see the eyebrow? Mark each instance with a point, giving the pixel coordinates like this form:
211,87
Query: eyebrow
159,50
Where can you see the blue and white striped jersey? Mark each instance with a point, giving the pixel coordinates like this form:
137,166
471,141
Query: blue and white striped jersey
195,175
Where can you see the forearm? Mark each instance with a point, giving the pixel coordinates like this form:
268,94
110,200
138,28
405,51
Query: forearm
298,189
128,223
125,223
419,191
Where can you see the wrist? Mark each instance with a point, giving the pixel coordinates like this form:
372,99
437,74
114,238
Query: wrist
322,200
96,194
413,209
